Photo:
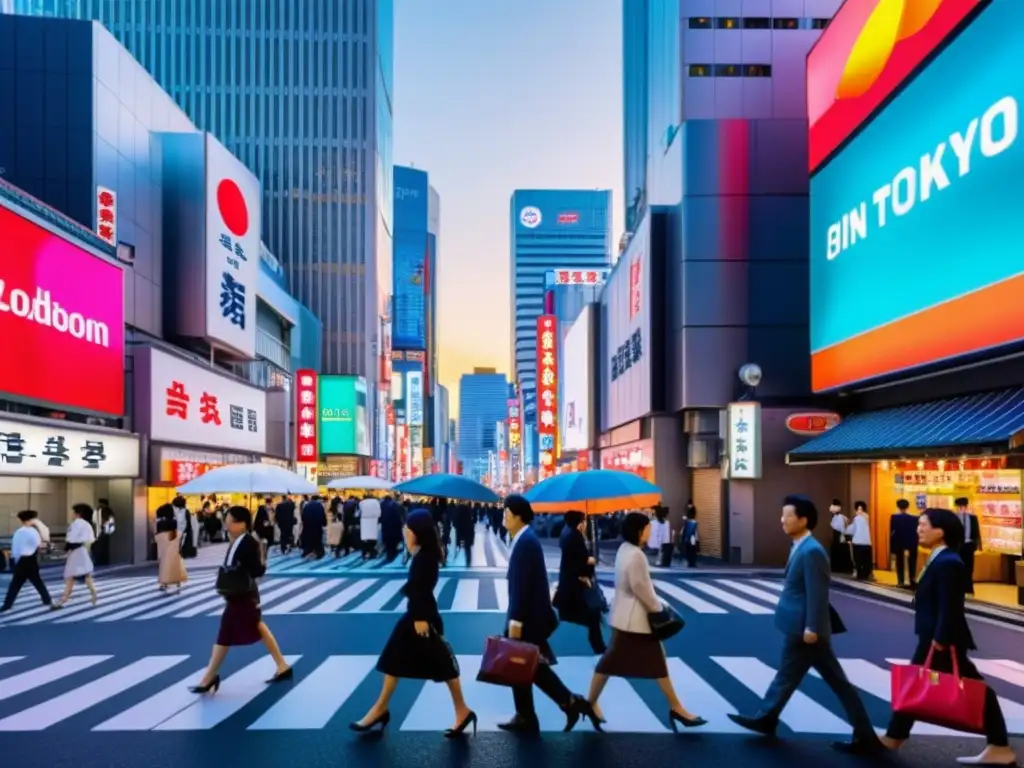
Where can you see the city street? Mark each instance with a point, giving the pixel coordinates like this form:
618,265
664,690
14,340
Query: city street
106,685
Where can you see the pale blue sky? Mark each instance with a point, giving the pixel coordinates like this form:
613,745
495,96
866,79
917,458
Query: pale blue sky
490,96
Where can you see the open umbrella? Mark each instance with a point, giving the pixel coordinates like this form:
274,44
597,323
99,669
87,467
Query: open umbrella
448,487
250,479
361,483
593,492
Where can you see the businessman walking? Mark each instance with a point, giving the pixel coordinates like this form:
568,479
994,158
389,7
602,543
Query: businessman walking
807,622
903,542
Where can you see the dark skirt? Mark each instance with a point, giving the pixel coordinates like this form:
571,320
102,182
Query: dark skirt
842,561
240,622
635,655
411,657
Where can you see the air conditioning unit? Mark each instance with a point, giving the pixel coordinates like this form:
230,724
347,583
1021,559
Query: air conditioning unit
704,452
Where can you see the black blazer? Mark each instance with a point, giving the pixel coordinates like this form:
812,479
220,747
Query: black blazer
529,593
572,567
903,532
419,589
939,613
249,557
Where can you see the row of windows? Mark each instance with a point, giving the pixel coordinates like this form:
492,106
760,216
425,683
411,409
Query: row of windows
756,22
730,70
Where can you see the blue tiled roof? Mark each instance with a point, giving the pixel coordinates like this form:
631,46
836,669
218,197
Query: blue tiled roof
52,216
988,419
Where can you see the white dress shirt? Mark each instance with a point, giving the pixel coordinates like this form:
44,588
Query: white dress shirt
839,522
80,532
860,530
25,542
965,518
660,534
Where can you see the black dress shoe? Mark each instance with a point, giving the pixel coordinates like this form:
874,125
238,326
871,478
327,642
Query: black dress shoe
859,746
520,724
756,724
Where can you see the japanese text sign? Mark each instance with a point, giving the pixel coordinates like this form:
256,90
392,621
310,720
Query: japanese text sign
636,285
627,354
193,405
106,215
547,388
186,471
305,416
569,276
744,441
515,435
31,450
233,224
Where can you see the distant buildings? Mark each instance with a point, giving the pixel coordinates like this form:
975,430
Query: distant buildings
483,402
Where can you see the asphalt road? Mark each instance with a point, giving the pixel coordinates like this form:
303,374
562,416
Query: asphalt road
106,686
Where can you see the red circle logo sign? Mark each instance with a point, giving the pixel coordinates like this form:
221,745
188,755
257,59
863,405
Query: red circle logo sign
812,424
232,207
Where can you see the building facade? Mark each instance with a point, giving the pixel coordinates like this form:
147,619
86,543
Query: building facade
483,403
550,229
301,93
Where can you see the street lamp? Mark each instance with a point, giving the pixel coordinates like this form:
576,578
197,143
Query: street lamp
750,376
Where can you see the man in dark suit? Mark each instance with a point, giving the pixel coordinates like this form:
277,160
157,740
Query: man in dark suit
284,514
805,618
903,542
972,539
532,620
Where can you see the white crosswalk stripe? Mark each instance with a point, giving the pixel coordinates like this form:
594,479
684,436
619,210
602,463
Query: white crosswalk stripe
114,694
138,599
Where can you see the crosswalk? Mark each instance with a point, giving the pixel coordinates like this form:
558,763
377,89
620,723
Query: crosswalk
135,598
106,693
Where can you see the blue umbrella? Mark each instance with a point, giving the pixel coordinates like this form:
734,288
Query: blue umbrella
594,492
448,487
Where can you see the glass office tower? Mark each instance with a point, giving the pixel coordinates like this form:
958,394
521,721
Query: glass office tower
483,402
300,91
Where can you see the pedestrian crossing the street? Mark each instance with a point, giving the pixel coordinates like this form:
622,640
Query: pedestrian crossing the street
111,694
136,598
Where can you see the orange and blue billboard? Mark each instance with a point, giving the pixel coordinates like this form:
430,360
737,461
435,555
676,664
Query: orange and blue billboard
870,48
916,239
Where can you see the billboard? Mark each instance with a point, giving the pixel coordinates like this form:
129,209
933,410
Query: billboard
61,320
305,416
914,225
411,257
414,404
577,367
869,49
343,425
62,450
515,435
626,334
233,225
576,276
547,390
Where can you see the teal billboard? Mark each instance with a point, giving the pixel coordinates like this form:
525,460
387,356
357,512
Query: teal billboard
342,423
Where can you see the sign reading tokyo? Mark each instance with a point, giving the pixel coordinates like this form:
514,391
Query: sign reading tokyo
867,51
193,405
233,226
62,451
61,321
915,233
530,217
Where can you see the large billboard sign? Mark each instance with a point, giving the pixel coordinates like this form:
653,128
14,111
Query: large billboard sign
870,48
577,369
411,259
305,416
915,231
61,320
343,427
233,225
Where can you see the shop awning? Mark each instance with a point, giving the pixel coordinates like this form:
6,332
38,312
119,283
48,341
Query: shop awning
958,425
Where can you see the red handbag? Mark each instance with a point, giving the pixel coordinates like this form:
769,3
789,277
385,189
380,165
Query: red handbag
939,698
508,662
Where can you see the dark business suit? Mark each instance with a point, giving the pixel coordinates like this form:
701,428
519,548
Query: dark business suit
804,605
529,604
571,596
939,616
903,544
971,545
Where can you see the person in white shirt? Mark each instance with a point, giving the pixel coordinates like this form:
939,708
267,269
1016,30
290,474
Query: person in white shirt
78,540
369,522
661,537
860,530
25,555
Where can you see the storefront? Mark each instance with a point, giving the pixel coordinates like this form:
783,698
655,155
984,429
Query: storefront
49,465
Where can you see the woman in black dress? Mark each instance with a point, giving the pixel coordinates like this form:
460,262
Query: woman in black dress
575,598
242,622
417,649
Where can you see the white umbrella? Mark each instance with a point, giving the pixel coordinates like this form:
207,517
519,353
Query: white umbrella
361,483
250,479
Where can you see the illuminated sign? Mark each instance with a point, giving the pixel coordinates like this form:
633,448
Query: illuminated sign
568,218
515,435
547,389
567,276
812,424
744,441
306,413
530,217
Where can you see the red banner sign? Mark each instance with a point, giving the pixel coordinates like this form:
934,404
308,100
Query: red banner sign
186,471
305,416
547,390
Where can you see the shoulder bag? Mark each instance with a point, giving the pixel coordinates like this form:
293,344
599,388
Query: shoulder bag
233,580
665,623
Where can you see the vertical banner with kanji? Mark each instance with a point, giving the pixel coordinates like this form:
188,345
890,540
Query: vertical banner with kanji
547,393
106,215
305,417
743,444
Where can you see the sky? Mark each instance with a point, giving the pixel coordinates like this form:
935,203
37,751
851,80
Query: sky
492,96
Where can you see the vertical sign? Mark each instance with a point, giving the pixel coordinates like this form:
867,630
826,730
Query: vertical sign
106,215
547,392
414,382
636,285
514,425
305,421
744,441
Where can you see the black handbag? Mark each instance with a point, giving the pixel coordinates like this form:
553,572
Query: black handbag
665,623
595,599
232,580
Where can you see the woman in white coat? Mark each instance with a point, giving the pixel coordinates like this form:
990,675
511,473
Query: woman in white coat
78,539
369,523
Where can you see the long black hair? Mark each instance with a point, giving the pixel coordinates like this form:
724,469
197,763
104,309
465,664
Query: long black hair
422,524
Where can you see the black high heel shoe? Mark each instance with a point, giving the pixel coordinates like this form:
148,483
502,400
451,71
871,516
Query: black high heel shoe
460,729
692,722
380,720
213,686
280,677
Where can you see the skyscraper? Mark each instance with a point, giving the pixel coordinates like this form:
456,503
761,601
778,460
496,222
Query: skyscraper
483,402
301,92
550,229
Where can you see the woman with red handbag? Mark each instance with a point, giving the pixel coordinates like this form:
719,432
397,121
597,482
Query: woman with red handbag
417,649
943,639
